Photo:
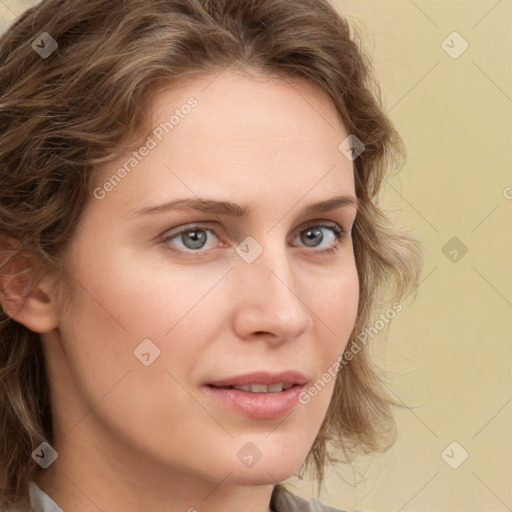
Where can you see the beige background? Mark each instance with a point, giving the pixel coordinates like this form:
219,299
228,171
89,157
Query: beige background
448,353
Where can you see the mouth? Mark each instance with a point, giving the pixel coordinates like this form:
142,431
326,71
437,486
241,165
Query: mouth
262,381
258,388
260,395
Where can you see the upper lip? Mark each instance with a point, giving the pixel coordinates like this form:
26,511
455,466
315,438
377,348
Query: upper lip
262,377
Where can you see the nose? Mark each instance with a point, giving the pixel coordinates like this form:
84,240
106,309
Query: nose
273,298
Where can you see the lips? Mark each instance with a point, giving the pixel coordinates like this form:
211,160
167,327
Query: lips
288,378
261,395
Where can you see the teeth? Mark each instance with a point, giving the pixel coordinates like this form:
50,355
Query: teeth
245,387
262,388
259,388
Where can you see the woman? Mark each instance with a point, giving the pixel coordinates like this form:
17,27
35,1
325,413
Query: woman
191,248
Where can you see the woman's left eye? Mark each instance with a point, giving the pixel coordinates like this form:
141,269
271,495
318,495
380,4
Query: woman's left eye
314,233
195,237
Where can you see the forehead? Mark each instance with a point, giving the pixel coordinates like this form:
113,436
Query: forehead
257,138
253,124
239,105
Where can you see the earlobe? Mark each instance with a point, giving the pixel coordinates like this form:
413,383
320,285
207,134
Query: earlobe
31,304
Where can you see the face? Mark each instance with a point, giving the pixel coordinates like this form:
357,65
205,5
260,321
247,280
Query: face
171,306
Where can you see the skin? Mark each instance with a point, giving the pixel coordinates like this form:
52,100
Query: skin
132,437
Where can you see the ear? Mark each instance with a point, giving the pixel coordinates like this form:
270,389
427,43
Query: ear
30,304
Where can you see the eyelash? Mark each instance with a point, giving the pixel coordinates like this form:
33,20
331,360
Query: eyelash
337,230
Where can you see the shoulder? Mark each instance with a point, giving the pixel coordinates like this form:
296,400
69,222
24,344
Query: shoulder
285,501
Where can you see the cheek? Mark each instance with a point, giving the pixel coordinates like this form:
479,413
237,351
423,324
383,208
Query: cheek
141,298
335,307
118,301
113,309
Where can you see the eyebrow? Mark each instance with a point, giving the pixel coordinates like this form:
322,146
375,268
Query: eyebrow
229,208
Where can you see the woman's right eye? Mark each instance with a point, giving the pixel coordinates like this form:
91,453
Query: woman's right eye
192,238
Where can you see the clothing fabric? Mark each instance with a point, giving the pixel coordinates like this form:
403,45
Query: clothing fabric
40,501
282,501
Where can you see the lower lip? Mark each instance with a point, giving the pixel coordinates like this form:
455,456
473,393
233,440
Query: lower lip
258,405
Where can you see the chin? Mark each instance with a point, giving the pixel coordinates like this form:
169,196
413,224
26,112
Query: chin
273,467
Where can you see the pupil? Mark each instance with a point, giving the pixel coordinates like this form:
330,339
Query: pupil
311,234
197,239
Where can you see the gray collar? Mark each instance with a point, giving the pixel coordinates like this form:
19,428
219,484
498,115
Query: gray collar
40,501
285,501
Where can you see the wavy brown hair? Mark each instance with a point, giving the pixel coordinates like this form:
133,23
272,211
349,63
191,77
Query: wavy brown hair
62,117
